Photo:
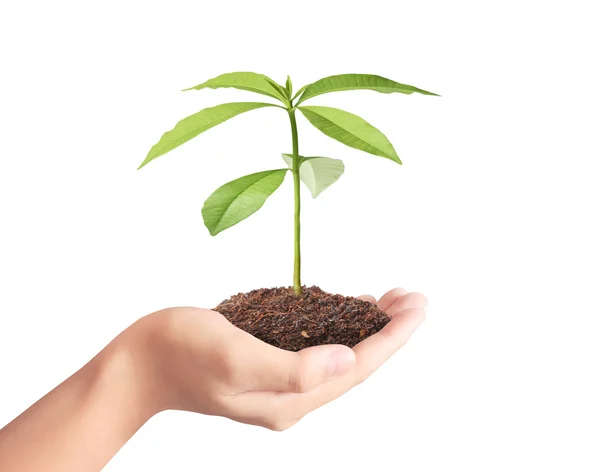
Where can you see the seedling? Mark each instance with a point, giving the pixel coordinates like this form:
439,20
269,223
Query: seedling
240,198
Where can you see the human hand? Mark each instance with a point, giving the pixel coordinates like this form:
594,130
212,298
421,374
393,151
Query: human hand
191,359
198,361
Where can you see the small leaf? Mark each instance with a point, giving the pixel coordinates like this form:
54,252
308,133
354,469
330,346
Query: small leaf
339,83
289,160
350,130
249,81
279,90
238,199
193,125
302,89
317,173
288,86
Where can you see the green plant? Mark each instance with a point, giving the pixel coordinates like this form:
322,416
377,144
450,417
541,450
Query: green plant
238,199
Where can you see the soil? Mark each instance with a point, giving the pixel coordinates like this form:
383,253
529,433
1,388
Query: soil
288,321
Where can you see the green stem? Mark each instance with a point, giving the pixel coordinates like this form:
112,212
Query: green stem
296,173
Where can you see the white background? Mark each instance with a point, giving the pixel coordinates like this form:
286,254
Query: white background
494,216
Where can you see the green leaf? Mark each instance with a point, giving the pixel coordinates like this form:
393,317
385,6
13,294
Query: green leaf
350,130
338,83
279,90
238,199
249,81
193,125
317,173
288,86
302,89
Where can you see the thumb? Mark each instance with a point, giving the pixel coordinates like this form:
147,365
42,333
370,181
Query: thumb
316,365
267,367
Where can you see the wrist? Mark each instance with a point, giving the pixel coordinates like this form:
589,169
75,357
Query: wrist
127,364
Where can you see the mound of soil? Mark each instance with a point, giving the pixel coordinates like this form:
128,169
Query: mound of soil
288,321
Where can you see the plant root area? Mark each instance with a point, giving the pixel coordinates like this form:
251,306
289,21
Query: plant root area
285,320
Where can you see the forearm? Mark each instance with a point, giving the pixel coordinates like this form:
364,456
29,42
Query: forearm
83,422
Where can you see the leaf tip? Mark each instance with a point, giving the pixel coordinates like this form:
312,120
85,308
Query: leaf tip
394,157
148,159
212,230
425,92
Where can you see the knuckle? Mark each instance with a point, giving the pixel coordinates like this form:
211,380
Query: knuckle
280,425
276,425
299,382
229,365
223,402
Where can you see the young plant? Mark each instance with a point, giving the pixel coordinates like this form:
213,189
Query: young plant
240,198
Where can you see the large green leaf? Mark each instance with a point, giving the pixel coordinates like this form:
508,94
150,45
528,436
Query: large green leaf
238,199
350,130
317,173
249,81
338,83
197,123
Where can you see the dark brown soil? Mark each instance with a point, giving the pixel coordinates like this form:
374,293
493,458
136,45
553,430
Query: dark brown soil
283,319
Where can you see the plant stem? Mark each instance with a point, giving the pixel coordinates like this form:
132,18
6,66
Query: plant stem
296,173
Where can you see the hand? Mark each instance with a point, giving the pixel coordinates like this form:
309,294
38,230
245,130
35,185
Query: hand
200,362
191,359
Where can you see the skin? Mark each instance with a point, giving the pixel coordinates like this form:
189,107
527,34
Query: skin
194,360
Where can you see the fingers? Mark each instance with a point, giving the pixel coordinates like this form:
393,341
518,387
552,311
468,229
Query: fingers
368,298
317,365
397,299
370,354
376,349
283,371
389,298
304,381
268,368
409,300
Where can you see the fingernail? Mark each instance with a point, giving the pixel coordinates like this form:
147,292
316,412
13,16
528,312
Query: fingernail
341,360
